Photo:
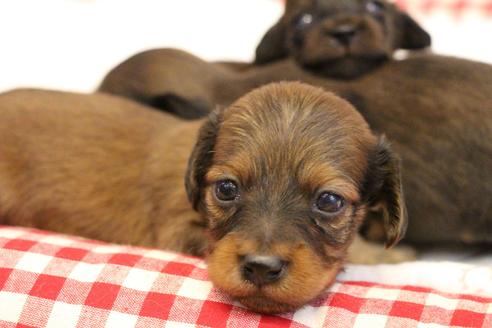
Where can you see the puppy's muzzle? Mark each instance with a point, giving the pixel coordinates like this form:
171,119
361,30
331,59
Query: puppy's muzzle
262,270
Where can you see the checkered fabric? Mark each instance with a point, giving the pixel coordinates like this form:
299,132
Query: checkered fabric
50,280
453,7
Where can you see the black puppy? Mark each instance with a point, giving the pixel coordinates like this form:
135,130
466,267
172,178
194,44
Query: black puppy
340,38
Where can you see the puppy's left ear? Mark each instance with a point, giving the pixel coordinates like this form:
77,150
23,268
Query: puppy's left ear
201,158
411,35
383,190
273,46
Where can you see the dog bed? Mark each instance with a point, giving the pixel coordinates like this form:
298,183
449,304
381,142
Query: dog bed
51,280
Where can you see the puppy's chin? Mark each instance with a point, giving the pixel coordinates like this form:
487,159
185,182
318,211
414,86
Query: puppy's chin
305,279
261,304
272,300
346,68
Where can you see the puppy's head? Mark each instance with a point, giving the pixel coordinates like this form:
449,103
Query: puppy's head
283,178
340,38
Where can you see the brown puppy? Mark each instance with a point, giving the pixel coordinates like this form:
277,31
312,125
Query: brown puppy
436,110
280,181
340,38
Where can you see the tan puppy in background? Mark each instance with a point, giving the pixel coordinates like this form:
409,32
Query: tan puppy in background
272,189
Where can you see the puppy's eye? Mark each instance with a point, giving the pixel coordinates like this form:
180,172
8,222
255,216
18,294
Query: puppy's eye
330,203
226,190
303,21
374,7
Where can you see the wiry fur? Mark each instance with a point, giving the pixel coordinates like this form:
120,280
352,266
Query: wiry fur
110,169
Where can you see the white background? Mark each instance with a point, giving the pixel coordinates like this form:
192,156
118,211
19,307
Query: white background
71,44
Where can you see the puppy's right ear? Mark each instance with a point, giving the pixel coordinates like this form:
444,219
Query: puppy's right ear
273,46
201,158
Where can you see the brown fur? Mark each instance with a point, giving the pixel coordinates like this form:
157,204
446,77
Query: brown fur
92,166
107,168
436,111
282,147
341,38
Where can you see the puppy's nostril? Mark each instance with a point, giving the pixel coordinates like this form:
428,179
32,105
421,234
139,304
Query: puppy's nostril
248,269
274,274
343,33
262,270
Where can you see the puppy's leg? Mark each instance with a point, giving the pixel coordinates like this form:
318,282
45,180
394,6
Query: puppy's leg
365,252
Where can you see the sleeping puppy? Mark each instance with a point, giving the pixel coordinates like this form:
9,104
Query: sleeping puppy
272,189
340,38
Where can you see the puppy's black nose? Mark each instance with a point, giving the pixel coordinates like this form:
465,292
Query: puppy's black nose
262,270
343,33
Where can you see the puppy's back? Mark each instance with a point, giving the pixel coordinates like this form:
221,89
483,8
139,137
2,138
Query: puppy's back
42,127
75,163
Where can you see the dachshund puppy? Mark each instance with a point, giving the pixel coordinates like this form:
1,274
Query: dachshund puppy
340,38
436,110
272,189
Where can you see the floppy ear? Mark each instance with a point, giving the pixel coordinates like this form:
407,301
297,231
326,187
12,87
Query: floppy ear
411,35
273,46
383,189
201,158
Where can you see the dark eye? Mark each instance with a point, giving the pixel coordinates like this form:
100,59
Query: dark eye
374,6
226,190
303,20
330,203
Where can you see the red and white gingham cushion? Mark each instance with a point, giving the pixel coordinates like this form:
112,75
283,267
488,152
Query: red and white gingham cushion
50,280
